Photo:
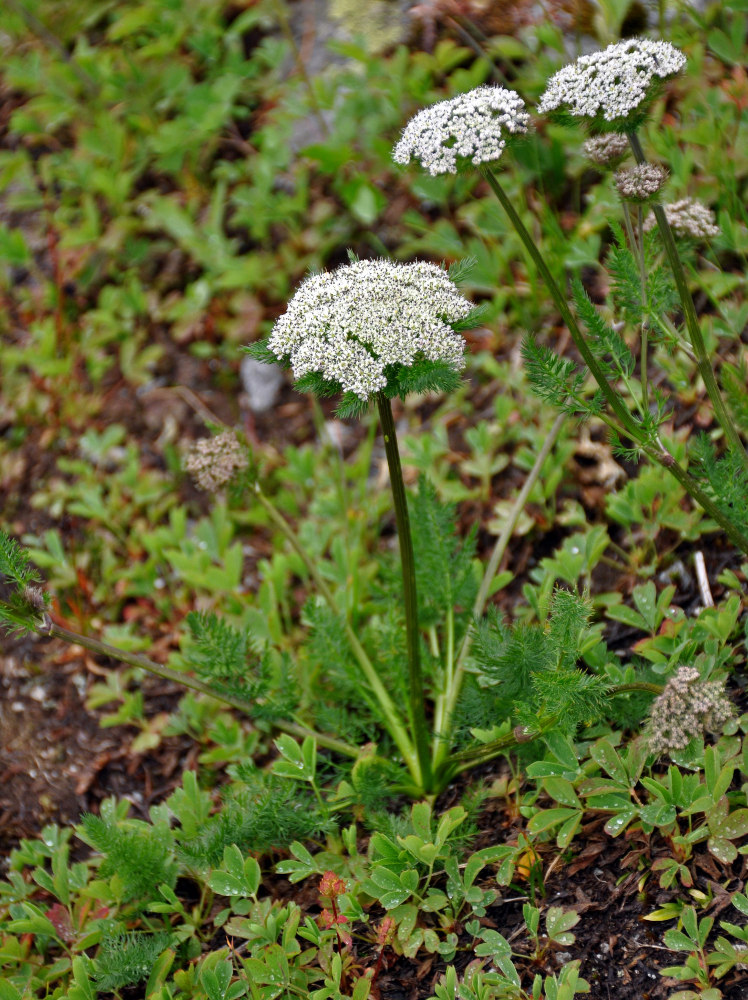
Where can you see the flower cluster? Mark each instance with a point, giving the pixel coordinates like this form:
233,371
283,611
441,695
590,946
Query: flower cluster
331,885
686,709
472,125
213,462
640,183
607,149
386,932
688,217
610,84
351,323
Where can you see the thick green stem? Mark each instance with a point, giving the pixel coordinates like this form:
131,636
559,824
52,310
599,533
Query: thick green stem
402,518
390,716
692,323
48,627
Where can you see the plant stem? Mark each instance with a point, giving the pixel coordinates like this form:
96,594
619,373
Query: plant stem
444,716
390,715
692,323
50,628
655,452
644,333
637,249
410,597
614,399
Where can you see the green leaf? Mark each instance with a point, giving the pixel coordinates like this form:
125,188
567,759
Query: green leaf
567,830
678,941
606,756
724,850
559,923
226,884
562,791
549,818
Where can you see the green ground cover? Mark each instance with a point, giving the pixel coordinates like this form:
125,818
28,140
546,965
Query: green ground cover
438,646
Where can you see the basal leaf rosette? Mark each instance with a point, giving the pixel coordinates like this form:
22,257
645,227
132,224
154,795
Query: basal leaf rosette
613,89
472,128
369,327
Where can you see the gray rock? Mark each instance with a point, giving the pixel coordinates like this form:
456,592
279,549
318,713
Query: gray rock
261,384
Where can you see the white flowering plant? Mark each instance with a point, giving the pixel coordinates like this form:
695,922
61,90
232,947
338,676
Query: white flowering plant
611,92
470,129
371,327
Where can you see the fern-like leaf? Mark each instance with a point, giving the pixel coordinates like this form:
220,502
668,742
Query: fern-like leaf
570,696
263,813
725,478
15,564
140,854
568,618
605,342
351,407
444,575
423,375
625,280
261,352
233,662
734,382
553,378
127,959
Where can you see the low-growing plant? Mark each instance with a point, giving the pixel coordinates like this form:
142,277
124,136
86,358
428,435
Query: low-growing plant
387,676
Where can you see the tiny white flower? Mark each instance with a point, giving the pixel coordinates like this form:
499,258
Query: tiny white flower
213,462
471,126
611,84
688,217
640,183
351,323
607,149
686,709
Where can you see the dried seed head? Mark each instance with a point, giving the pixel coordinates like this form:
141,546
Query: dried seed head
472,125
213,462
640,183
351,323
686,709
607,150
608,86
688,217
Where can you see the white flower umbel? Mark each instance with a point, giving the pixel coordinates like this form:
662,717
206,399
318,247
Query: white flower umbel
688,217
607,149
472,126
609,86
640,183
351,323
686,709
